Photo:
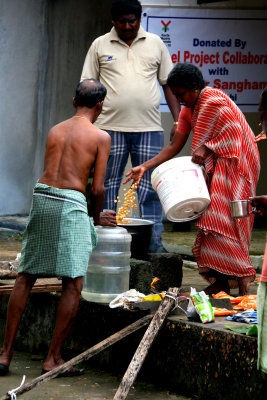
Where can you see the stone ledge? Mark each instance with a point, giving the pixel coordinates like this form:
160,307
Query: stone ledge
188,358
140,275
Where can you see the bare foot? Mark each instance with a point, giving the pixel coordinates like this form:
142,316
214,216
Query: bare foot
218,286
51,364
5,357
244,285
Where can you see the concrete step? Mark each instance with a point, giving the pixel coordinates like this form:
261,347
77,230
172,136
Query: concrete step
187,357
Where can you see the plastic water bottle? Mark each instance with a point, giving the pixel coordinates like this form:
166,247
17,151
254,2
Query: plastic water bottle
108,271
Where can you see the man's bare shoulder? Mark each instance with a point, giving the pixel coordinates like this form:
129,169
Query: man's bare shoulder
102,134
60,126
79,130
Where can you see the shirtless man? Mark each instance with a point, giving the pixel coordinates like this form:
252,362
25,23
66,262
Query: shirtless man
60,236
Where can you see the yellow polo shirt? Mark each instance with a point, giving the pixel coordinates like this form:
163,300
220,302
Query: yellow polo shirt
130,75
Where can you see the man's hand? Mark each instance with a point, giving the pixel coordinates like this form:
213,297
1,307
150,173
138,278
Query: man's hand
261,136
108,218
200,155
135,174
260,202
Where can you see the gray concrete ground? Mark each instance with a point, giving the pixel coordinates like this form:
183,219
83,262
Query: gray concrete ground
93,385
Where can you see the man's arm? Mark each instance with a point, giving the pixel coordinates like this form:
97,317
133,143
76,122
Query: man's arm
91,64
174,107
165,66
172,102
97,190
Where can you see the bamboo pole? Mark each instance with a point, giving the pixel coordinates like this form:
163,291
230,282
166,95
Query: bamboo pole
83,356
146,342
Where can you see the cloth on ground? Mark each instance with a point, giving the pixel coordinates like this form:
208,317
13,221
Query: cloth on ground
248,316
59,236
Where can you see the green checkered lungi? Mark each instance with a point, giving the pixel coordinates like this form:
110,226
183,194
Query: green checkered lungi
59,236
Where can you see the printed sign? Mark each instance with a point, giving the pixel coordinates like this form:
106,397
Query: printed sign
229,47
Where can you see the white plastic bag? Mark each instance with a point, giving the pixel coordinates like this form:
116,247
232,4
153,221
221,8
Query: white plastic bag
131,295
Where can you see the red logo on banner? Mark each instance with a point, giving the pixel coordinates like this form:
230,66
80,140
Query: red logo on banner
165,26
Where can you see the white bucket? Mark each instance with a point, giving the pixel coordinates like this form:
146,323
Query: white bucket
182,189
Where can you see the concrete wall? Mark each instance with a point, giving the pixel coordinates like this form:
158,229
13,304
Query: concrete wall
72,26
22,26
43,44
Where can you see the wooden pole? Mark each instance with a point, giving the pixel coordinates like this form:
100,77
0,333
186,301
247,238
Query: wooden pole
148,338
83,356
37,288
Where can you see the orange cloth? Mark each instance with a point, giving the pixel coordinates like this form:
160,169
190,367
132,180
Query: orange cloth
247,302
222,311
222,295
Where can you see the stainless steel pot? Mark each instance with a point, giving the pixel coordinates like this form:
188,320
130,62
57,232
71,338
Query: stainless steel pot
241,208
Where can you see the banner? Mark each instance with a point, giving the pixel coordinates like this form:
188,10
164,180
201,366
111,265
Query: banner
228,46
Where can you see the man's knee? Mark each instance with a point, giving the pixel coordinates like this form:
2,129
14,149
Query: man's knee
73,285
25,281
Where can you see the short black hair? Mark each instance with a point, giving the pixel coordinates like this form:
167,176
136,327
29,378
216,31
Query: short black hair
186,76
89,92
125,7
263,100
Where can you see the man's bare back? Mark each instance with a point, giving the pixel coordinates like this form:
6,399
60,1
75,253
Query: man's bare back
73,147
